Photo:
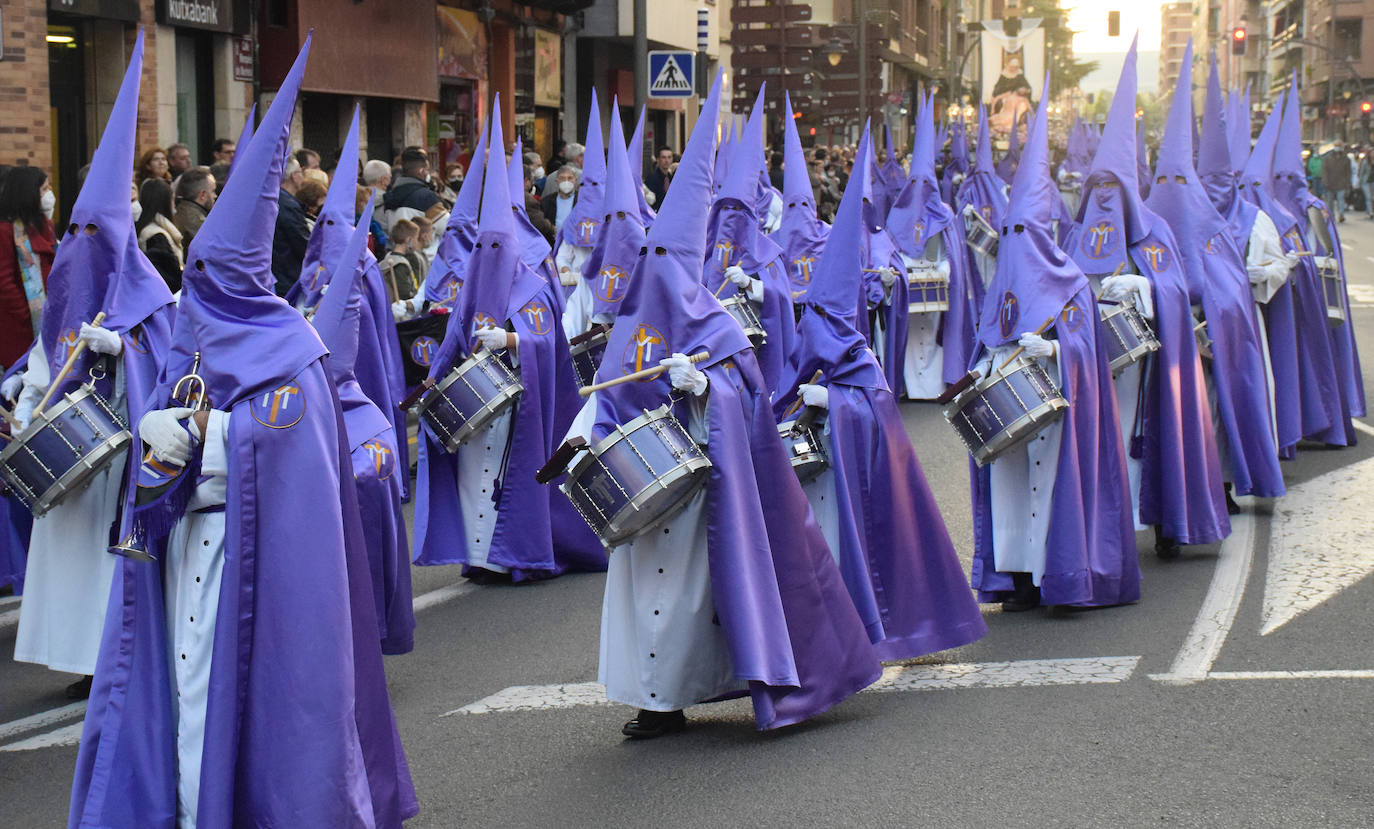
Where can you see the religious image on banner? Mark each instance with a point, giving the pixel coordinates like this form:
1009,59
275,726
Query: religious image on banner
1009,62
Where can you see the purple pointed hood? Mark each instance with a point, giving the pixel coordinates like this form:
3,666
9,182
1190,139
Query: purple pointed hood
666,309
982,159
893,176
1214,168
746,156
1257,174
802,234
1238,129
635,152
450,262
533,244
245,135
735,236
621,237
919,212
337,317
1142,160
99,266
334,226
721,160
1112,218
582,223
958,149
982,187
1034,278
1289,175
1177,196
827,338
249,339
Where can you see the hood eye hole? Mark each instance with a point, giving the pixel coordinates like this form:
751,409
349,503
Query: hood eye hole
661,251
619,214
1162,180
329,221
91,229
643,250
1020,228
496,244
200,265
72,228
477,246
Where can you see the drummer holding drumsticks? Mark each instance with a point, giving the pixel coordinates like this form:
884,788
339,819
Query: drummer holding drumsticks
1051,521
98,268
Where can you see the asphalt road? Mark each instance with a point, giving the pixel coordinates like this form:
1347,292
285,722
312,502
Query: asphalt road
1177,710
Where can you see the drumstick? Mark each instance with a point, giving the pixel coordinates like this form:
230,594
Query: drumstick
721,288
66,368
1019,349
638,375
1199,326
796,404
9,418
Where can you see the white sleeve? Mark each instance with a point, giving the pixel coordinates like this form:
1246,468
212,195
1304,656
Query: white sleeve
37,374
214,463
1265,257
577,314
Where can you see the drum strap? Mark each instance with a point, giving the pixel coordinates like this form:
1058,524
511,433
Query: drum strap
497,486
1137,448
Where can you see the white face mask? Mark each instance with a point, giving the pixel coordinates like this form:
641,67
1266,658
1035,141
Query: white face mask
48,201
137,209
537,173
565,187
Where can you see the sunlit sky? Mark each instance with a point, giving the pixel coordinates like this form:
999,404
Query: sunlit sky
1089,19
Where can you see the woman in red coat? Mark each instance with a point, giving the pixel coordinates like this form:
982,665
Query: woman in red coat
27,246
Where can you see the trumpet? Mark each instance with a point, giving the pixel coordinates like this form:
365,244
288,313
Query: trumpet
190,390
134,546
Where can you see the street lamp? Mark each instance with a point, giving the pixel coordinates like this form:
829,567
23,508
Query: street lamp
834,50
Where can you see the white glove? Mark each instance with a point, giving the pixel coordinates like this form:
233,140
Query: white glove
23,408
401,310
736,274
683,375
813,395
888,275
1036,345
1292,258
10,388
165,436
493,338
101,340
1119,288
774,220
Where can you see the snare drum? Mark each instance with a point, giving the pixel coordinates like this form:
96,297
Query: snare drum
980,236
475,392
804,449
62,449
637,477
1005,409
1334,292
586,349
927,289
748,318
1129,338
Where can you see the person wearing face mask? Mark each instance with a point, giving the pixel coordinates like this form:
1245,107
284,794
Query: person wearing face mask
27,247
558,205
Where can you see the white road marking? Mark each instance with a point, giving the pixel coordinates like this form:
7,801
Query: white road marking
9,600
1347,246
1218,612
9,619
1023,673
1360,296
42,719
1361,426
1320,546
1291,675
68,735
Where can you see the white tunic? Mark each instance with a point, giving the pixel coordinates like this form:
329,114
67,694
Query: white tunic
923,370
662,647
191,583
1268,270
479,466
67,578
1022,488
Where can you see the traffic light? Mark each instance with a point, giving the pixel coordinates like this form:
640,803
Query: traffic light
1113,24
1365,108
1238,40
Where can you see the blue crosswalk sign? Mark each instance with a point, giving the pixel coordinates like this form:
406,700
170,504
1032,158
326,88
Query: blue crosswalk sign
670,74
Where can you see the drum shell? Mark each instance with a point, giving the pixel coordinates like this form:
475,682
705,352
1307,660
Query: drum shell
1006,409
62,449
742,309
805,449
927,291
468,398
586,356
1128,337
636,478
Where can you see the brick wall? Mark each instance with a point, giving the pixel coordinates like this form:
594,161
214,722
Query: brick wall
24,132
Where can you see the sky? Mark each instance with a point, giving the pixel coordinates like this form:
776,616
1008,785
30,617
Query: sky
1089,19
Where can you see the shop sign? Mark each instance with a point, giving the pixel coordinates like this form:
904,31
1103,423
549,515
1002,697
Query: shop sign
243,59
462,42
214,15
548,69
126,10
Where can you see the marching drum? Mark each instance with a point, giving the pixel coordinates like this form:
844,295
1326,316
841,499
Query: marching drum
927,289
804,448
1129,337
980,236
748,318
477,390
637,477
62,449
1330,272
1006,409
587,349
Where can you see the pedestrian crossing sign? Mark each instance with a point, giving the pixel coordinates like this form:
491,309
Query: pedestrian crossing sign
670,74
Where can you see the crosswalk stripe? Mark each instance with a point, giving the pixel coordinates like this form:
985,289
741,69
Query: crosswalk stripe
66,736
43,718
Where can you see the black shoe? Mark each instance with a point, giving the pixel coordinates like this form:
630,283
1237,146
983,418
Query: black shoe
483,576
650,724
1232,508
81,689
1025,597
1166,548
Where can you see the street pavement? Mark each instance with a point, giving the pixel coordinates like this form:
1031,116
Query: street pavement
1239,691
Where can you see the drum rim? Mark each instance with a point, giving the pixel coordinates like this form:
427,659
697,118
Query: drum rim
581,348
815,461
504,398
89,465
695,469
41,420
990,449
1053,410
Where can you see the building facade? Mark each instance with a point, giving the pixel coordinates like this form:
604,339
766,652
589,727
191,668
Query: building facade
1176,26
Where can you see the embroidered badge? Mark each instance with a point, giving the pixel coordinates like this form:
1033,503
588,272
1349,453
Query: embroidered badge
280,408
383,458
612,283
423,349
646,347
538,317
1101,240
1008,314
